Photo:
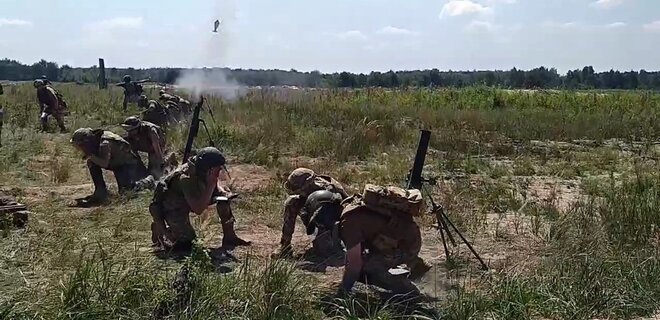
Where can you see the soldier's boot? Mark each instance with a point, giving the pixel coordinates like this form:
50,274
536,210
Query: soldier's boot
100,194
60,123
285,250
44,121
418,268
229,237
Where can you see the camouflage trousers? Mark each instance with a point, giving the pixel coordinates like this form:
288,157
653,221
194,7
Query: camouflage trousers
57,114
130,177
171,227
130,99
292,207
155,165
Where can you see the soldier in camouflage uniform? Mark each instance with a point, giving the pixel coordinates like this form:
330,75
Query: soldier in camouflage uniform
183,104
157,114
132,90
105,150
192,187
145,136
49,104
375,244
300,184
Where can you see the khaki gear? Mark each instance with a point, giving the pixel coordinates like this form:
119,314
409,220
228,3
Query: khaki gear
390,241
393,200
300,183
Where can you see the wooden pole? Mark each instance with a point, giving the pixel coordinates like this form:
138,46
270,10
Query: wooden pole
103,82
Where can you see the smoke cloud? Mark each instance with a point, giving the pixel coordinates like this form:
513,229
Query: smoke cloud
209,77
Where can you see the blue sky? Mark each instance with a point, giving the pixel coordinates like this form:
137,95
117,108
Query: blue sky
336,35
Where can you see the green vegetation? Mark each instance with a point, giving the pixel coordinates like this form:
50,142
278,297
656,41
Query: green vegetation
558,190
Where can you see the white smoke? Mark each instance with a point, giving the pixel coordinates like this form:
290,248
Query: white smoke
209,77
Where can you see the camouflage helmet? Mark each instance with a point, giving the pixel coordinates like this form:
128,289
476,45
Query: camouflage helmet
298,179
127,78
43,77
322,209
131,123
81,135
38,83
207,158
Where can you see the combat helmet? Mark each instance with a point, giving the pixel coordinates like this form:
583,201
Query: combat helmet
81,135
38,83
131,123
298,179
127,78
322,209
207,158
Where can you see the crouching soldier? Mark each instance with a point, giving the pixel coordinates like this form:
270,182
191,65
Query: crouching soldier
105,150
192,187
183,104
376,241
300,184
49,104
156,113
144,136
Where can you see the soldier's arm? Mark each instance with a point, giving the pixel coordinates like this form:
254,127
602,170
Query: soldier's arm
197,196
353,267
143,81
154,137
103,159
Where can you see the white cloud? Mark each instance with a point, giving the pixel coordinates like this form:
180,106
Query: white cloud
606,4
653,26
352,35
615,25
462,7
390,30
480,26
491,2
119,23
14,22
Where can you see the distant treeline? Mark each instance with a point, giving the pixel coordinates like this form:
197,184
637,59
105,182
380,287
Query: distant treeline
538,78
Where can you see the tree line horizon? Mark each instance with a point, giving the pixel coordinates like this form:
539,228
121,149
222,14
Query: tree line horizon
537,78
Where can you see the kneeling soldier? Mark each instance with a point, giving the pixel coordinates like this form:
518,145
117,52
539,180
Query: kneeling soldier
300,184
105,150
145,136
192,187
375,243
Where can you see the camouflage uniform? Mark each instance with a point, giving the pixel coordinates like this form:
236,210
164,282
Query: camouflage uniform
126,165
141,139
49,104
389,241
182,104
132,92
300,184
170,211
156,113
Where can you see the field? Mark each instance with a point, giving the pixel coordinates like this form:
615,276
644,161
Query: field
557,190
